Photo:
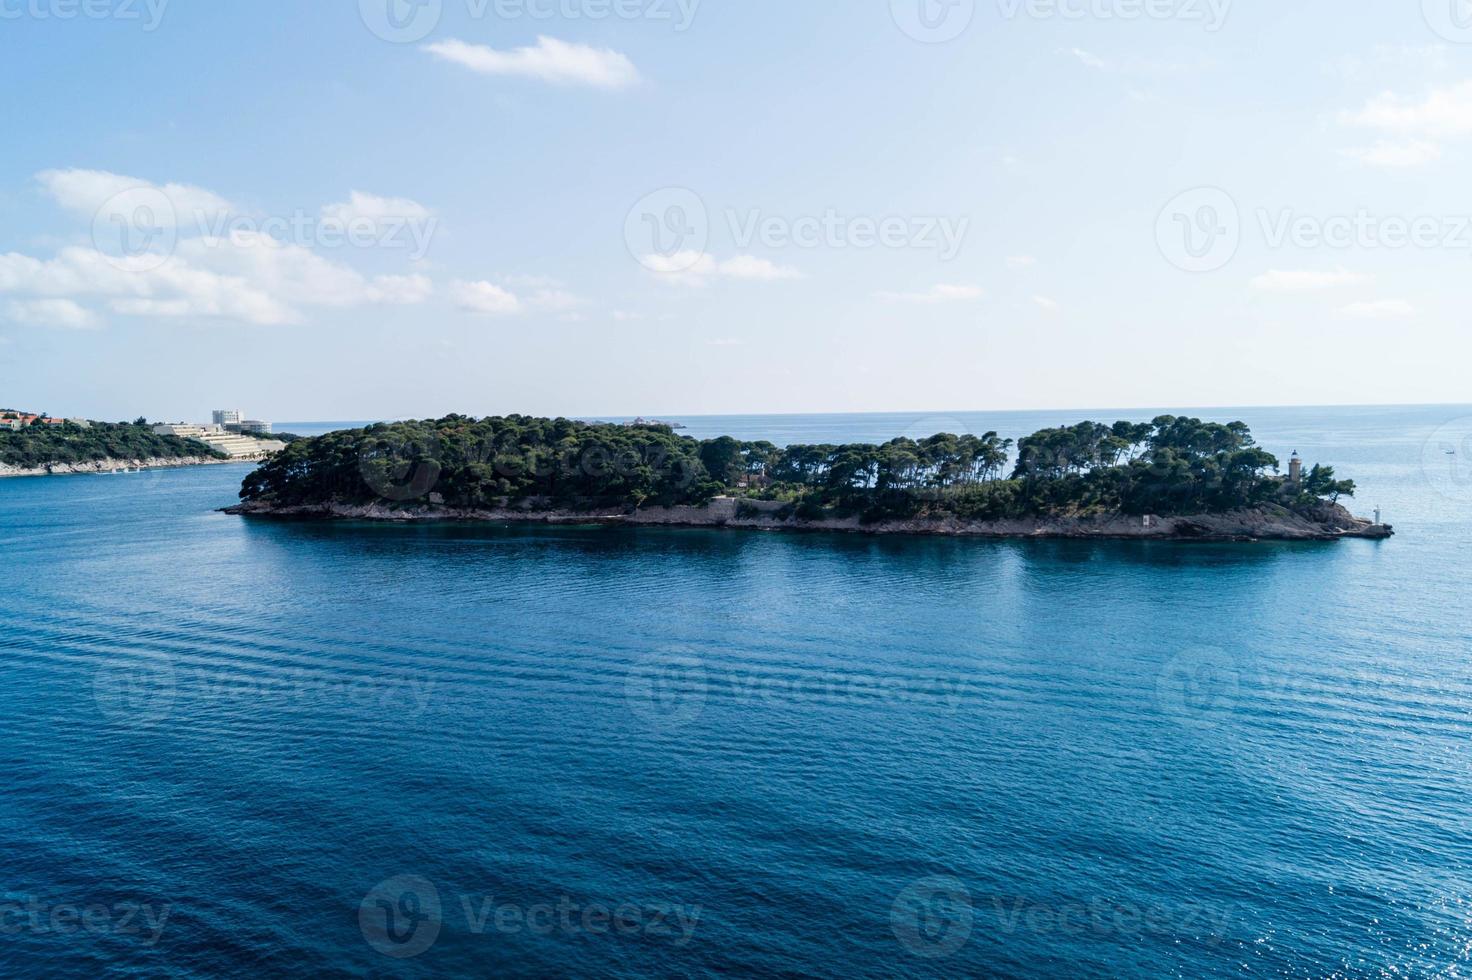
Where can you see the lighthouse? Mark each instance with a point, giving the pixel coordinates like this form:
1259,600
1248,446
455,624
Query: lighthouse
1295,470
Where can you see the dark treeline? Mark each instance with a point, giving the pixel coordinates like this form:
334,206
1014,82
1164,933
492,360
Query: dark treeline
1168,466
44,445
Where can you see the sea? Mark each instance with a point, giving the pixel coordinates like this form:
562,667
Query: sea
245,748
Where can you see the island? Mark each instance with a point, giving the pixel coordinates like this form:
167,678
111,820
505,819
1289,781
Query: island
1171,478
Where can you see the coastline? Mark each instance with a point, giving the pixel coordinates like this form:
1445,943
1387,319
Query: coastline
102,466
1331,523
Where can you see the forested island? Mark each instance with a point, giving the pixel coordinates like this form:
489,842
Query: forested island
72,447
1168,478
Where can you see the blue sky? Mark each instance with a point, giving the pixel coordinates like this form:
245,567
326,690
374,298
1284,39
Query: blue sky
1065,204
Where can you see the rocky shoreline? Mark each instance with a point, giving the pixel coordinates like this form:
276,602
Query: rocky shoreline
1330,522
108,465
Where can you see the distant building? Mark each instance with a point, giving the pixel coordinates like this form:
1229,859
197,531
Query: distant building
226,417
231,444
1295,470
255,427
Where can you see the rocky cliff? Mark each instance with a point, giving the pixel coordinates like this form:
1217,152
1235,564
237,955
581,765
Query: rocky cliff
1325,523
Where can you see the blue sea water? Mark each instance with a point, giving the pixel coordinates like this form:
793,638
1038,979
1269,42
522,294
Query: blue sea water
245,748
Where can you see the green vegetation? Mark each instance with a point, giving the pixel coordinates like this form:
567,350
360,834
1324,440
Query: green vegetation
1171,466
39,445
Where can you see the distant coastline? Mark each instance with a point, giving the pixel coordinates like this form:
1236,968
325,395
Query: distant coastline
103,466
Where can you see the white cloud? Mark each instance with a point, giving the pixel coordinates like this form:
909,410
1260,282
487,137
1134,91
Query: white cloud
380,211
1089,60
753,268
697,269
1396,156
63,313
724,342
549,60
936,294
485,297
245,276
105,195
248,277
1445,112
1304,280
1419,125
496,299
1047,305
1385,309
1019,262
623,316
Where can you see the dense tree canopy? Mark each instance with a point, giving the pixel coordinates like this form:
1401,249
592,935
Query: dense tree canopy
46,445
1168,466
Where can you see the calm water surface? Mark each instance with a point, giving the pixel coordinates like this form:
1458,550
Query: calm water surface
237,748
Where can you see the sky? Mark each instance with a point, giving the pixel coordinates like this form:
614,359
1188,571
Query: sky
357,209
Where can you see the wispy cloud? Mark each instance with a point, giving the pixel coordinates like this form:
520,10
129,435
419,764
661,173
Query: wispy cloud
1416,126
698,269
1385,309
1396,156
1047,305
936,294
1304,280
547,295
549,60
64,313
1019,262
